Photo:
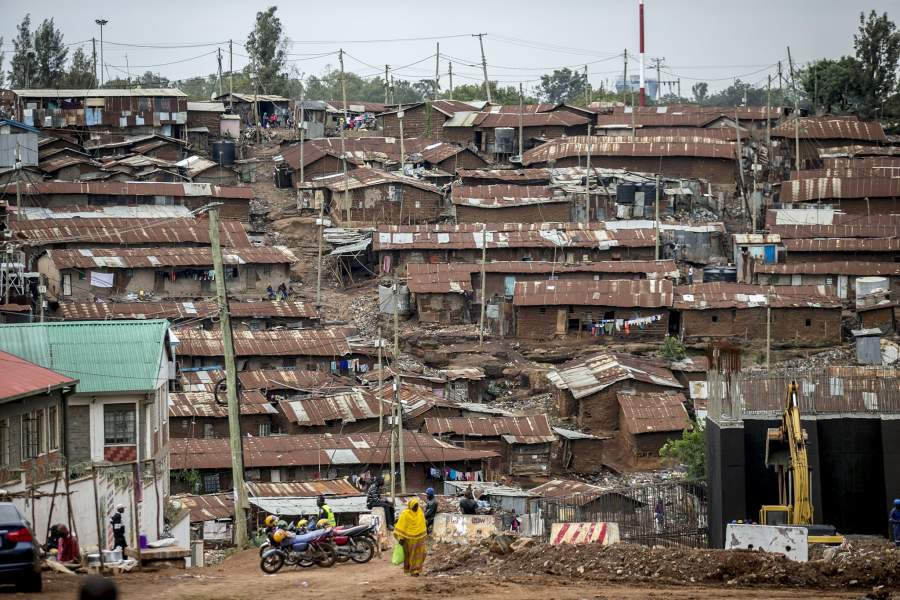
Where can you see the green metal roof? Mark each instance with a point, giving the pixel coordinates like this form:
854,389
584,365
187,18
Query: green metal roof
105,356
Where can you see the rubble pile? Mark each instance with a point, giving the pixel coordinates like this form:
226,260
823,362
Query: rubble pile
672,566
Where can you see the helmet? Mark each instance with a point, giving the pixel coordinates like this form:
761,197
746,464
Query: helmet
302,523
322,523
279,536
429,491
896,501
270,520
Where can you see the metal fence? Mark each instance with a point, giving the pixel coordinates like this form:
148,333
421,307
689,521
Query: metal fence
663,514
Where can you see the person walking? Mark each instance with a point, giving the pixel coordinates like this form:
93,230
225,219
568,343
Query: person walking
468,505
895,522
118,527
431,509
410,533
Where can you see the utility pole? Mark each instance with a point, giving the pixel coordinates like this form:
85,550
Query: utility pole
450,69
101,23
769,119
587,88
587,176
487,84
679,89
234,414
643,94
483,286
94,57
656,211
256,102
437,70
796,113
219,58
657,63
387,86
397,384
321,224
521,121
402,146
768,328
625,85
230,77
302,128
347,198
380,384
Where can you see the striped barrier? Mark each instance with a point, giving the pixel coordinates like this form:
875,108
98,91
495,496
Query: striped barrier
584,533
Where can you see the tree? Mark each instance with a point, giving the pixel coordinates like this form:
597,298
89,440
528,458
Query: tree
700,90
81,71
690,450
267,48
51,54
500,95
2,58
877,48
152,80
23,64
563,85
835,86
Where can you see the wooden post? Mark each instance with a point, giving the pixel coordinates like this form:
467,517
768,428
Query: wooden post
136,493
587,176
656,254
231,78
450,74
483,285
343,143
796,113
100,530
487,84
521,122
52,504
234,415
380,385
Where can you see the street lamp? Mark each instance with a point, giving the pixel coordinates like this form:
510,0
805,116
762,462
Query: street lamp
101,23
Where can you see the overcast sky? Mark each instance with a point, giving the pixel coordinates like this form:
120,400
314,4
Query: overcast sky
709,40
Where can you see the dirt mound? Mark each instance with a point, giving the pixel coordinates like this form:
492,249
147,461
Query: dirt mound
674,566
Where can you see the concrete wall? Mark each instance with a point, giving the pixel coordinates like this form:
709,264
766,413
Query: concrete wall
442,308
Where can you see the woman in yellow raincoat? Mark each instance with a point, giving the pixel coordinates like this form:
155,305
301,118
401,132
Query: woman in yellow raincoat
411,532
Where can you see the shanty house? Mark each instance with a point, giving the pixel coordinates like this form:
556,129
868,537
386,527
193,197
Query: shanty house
328,456
496,133
201,415
309,115
579,452
177,272
510,204
861,196
586,388
606,310
204,121
800,316
18,143
841,274
522,443
424,119
252,107
825,132
354,410
650,420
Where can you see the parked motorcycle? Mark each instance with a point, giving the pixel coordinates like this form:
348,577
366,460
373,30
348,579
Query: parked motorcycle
304,549
298,527
354,543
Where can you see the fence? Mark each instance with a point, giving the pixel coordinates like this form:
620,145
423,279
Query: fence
665,514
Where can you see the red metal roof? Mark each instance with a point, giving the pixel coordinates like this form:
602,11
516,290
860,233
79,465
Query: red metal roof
22,378
857,268
133,188
536,426
653,412
320,450
127,231
364,177
640,147
504,196
203,404
862,229
346,407
359,151
704,296
529,119
843,245
698,134
179,256
272,342
91,311
645,293
826,188
832,128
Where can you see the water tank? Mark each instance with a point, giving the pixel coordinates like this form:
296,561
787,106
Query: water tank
625,193
867,285
727,274
504,140
223,152
649,190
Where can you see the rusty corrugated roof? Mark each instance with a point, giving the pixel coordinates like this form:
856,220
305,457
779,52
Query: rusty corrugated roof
203,404
179,256
508,175
588,375
644,293
535,427
452,278
832,128
642,147
359,151
345,407
704,296
208,507
527,119
303,489
174,311
133,188
504,196
321,450
364,177
105,230
875,228
707,133
266,379
653,413
827,188
847,267
843,245
270,342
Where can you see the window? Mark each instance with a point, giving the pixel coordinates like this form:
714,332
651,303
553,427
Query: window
118,424
4,442
211,483
53,428
67,284
265,429
715,318
809,323
209,430
32,428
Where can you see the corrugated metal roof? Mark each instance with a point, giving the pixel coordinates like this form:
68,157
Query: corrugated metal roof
509,175
214,107
316,450
857,268
590,374
179,256
527,119
653,413
864,228
704,296
127,231
856,151
359,151
565,488
266,379
843,245
742,239
364,177
99,93
645,293
534,428
508,235
642,147
208,507
271,342
133,188
105,356
252,98
203,404
23,378
347,407
827,188
303,489
138,211
443,278
697,134
174,311
416,399
571,434
835,128
504,196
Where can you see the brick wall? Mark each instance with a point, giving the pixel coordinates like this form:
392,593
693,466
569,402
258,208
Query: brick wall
463,160
879,317
716,170
599,412
540,322
415,123
442,308
802,326
541,213
373,205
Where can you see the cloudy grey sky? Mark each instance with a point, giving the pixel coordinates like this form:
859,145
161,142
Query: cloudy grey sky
709,40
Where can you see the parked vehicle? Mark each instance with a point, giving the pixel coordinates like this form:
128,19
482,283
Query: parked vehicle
20,555
354,543
303,549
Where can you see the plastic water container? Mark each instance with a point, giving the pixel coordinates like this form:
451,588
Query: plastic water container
142,541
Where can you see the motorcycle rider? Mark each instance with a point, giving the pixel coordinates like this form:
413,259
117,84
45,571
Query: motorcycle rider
325,512
431,509
373,499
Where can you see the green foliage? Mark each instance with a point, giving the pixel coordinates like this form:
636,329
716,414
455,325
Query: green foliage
673,349
189,477
50,55
81,71
267,48
2,59
690,450
877,48
700,90
475,91
563,85
833,86
24,62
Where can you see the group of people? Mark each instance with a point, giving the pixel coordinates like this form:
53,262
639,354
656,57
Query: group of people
281,294
412,528
274,120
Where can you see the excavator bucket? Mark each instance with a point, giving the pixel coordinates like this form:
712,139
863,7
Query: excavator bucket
778,451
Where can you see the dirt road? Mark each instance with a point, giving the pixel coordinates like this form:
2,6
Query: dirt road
239,578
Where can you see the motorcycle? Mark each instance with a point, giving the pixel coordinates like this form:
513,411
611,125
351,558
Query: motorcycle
354,543
305,550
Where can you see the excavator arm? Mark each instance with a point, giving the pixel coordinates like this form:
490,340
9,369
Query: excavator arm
786,451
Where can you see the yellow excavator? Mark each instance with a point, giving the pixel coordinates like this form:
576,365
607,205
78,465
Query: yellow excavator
786,451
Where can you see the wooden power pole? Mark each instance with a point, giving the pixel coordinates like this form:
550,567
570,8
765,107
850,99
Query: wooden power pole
234,414
487,84
796,113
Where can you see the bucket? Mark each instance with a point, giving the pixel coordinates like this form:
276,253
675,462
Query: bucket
111,556
142,541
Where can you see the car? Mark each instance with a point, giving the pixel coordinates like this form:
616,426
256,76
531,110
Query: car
20,554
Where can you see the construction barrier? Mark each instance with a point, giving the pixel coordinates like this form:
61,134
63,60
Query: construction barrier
584,533
790,541
461,529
